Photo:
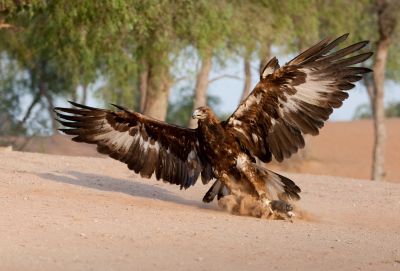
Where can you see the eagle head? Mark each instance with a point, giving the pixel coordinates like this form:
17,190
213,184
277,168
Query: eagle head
202,112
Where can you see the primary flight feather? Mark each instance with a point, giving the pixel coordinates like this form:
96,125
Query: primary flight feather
287,103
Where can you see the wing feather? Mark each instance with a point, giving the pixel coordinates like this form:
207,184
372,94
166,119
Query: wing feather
296,99
146,145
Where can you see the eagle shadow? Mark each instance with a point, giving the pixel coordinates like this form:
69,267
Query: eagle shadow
130,187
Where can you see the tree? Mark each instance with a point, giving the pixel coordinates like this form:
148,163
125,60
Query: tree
180,111
380,27
62,44
155,41
201,86
205,29
364,111
393,110
29,74
252,32
387,15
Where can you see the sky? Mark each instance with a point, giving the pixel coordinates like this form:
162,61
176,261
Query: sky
229,89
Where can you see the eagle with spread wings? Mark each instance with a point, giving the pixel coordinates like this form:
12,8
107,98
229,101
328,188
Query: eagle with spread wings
287,103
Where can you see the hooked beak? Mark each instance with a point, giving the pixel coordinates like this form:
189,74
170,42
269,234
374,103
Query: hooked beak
196,114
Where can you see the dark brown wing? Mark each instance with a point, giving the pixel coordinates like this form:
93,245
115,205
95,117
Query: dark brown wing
296,99
146,145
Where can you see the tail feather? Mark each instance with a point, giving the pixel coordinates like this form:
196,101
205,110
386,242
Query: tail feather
280,187
291,189
217,189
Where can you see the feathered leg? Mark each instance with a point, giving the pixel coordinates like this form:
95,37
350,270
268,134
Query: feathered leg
245,166
257,178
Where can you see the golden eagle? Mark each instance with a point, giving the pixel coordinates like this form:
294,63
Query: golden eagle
287,103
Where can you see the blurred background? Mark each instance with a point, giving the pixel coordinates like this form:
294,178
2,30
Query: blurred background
164,58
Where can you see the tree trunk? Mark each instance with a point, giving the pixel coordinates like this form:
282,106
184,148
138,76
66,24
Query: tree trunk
200,91
158,86
369,84
265,56
84,94
119,93
247,78
74,94
35,100
378,171
143,78
386,25
43,91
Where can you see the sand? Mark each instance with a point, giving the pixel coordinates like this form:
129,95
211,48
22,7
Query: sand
345,149
85,213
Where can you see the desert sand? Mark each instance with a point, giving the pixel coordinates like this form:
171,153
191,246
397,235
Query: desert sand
345,149
87,213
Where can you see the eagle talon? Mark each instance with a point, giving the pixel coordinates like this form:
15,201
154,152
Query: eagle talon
281,209
291,214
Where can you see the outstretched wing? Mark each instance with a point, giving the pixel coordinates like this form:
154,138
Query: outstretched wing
296,99
146,145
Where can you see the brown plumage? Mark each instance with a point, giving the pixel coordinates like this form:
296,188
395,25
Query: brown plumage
286,104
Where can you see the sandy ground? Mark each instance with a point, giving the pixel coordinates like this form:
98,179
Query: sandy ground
345,149
81,213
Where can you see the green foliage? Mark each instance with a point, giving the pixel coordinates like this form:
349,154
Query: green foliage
303,23
119,92
205,24
63,44
66,44
10,94
393,65
363,111
360,20
180,111
337,17
393,110
252,27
